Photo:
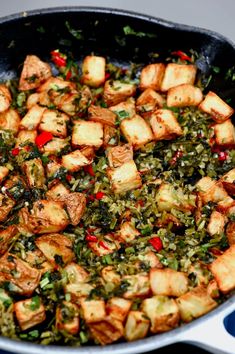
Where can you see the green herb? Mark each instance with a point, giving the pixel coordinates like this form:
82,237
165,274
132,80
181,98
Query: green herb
35,303
216,69
130,31
147,231
75,33
41,29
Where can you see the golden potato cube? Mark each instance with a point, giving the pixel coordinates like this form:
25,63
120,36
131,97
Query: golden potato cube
75,273
36,259
56,85
106,331
110,135
128,232
168,282
55,146
125,109
218,109
54,122
151,76
216,223
163,313
110,275
74,161
124,178
87,134
150,259
136,131
138,286
32,118
67,317
101,115
230,233
25,136
10,120
177,74
52,167
58,192
5,98
211,190
118,308
6,204
116,92
7,237
34,172
56,248
78,291
137,326
223,269
184,95
93,310
228,181
225,205
75,205
93,70
106,246
195,303
120,154
29,312
165,125
3,173
32,100
148,101
225,134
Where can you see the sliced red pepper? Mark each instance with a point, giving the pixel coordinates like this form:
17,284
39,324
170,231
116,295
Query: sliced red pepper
107,76
103,245
68,75
223,155
140,202
43,138
91,238
15,151
156,242
216,251
177,156
99,195
58,58
89,169
69,177
182,55
91,197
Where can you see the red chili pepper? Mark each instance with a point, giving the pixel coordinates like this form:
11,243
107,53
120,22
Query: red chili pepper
103,245
43,138
68,75
91,197
69,177
177,156
89,169
141,203
91,238
107,76
58,58
223,155
15,151
156,242
181,55
216,251
99,195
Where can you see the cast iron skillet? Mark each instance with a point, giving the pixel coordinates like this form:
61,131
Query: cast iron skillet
38,32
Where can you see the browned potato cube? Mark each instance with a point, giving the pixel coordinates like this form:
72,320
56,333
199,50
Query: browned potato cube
211,190
230,233
148,101
125,109
5,98
34,172
106,331
78,291
58,192
29,312
118,308
55,146
137,326
228,181
25,136
110,275
184,95
138,286
74,161
165,125
102,115
168,282
216,223
10,120
93,70
108,245
128,232
177,74
7,237
54,122
75,205
225,134
3,173
6,204
93,310
120,154
75,273
32,100
151,76
32,118
117,91
87,134
216,107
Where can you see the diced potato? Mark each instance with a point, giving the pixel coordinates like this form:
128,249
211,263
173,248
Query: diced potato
75,102
110,135
52,167
230,233
87,134
148,101
167,197
195,303
32,100
75,204
29,312
168,282
10,120
88,152
120,154
5,98
102,115
25,136
151,76
228,181
184,95
32,118
6,204
128,232
124,178
36,259
136,131
67,318
106,331
165,125
74,161
211,190
24,277
137,326
6,237
55,146
54,122
34,172
93,310
225,205
75,273
223,269
5,299
213,290
150,259
56,85
216,107
110,275
200,273
106,246
56,248
125,109
138,286
216,223
58,192
163,313
3,173
78,291
225,134
93,70
118,308
117,91
177,74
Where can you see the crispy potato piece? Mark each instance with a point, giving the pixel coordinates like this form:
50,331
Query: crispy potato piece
216,107
55,85
56,248
137,326
195,303
230,233
108,245
75,273
228,181
118,308
26,136
32,118
163,313
148,101
211,190
54,122
124,178
74,102
3,173
165,125
34,172
120,154
6,204
216,223
10,120
109,136
93,70
151,76
58,192
225,205
67,318
19,273
53,166
5,98
225,134
74,161
6,237
110,275
78,291
138,286
223,269
37,260
177,74
150,259
184,95
116,91
213,290
32,100
55,146
200,273
34,73
106,331
93,310
128,232
136,131
101,115
125,109
168,282
75,204
29,312
87,134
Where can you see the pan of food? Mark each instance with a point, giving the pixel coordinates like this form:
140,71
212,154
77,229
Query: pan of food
117,212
